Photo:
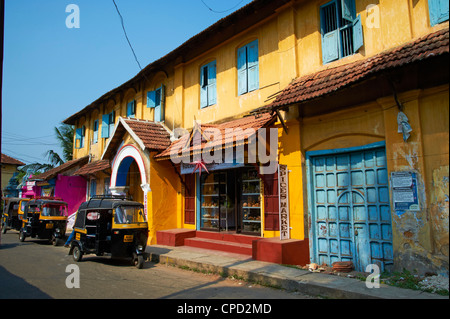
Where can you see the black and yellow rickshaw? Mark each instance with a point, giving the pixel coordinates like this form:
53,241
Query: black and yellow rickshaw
113,225
44,218
13,213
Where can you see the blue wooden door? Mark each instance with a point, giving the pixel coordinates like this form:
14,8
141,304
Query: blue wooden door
351,218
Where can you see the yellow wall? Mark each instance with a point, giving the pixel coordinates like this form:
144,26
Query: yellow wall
420,239
164,201
289,47
7,173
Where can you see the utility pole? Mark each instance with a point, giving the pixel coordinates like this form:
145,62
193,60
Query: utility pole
2,23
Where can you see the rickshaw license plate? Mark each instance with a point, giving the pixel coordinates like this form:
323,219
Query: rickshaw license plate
128,238
49,226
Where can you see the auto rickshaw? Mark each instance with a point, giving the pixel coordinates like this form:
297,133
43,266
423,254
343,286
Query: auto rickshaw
44,218
13,213
110,224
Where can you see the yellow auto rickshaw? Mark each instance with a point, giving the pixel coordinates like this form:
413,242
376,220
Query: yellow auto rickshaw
44,218
113,225
13,213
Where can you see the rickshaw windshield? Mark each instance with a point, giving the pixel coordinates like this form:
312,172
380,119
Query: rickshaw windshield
54,210
34,209
129,215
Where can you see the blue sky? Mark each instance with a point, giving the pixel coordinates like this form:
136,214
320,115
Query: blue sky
51,72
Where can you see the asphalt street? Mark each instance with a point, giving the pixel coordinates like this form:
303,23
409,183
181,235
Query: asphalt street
36,269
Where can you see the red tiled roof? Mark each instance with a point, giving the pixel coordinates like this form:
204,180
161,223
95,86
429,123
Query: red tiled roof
148,135
62,168
328,81
93,167
11,161
153,135
229,138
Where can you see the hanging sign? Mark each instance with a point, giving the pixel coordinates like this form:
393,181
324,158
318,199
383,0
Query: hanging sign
404,191
283,193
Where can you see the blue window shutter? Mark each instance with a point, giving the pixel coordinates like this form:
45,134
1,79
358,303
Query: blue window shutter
212,83
348,8
253,66
163,103
83,134
93,187
242,70
160,105
358,36
112,122
105,126
439,11
330,46
203,87
151,99
329,20
131,109
95,137
78,135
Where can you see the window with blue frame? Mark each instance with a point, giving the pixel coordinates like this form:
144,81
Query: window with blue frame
208,85
108,122
248,68
156,100
131,109
341,29
79,137
438,11
93,188
95,136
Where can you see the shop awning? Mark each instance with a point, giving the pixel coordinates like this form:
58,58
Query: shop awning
232,133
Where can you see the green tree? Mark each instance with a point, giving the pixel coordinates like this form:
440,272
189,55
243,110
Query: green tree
64,135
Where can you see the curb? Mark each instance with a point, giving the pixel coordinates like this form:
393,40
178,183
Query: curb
282,277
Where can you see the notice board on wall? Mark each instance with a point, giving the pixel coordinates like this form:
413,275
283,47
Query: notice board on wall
404,191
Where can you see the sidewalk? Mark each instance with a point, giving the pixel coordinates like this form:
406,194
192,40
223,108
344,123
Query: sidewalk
274,275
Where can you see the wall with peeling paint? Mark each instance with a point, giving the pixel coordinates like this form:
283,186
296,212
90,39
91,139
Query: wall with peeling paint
420,238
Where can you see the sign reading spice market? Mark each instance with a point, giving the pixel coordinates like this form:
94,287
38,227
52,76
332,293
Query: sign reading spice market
283,191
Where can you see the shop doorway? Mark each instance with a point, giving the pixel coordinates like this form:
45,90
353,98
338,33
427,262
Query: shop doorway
230,201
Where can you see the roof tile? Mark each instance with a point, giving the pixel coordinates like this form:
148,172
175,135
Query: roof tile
228,137
330,80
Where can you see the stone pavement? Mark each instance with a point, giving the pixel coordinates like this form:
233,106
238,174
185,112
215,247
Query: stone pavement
274,275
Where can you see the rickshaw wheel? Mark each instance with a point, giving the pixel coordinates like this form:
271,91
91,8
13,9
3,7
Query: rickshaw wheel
138,261
77,253
22,236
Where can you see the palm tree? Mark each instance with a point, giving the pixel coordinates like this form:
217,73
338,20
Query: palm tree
64,134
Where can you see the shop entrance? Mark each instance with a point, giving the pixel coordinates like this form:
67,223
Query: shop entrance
230,201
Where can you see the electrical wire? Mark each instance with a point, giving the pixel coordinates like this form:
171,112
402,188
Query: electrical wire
215,11
126,36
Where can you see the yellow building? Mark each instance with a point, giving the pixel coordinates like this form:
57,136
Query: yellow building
337,80
9,168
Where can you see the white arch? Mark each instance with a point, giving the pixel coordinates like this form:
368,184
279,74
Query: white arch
124,152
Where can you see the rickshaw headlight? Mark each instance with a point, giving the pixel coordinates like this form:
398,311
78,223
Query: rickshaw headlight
140,247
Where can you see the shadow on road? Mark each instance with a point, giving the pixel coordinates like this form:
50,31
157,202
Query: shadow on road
13,287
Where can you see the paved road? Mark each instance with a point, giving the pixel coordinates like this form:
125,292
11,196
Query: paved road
35,269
